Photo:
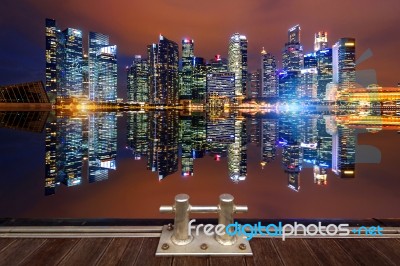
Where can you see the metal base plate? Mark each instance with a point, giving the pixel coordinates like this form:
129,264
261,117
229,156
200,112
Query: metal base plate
201,245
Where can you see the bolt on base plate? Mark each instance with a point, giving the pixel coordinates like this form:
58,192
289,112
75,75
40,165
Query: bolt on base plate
201,245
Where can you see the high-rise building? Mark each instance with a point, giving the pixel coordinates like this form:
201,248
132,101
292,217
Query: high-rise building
308,84
102,68
310,60
137,134
85,75
237,62
137,80
73,61
324,68
320,41
237,153
269,79
187,157
199,80
255,84
344,152
163,72
218,64
186,85
220,89
289,81
52,58
294,34
344,63
293,57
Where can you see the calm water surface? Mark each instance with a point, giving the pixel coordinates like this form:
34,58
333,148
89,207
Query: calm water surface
125,165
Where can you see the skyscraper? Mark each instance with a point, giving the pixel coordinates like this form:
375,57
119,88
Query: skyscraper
255,84
199,80
73,62
293,57
164,70
269,81
52,58
102,68
218,64
237,62
138,84
220,89
324,68
320,41
344,63
186,85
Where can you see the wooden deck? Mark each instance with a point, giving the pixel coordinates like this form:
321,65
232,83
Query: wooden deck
140,251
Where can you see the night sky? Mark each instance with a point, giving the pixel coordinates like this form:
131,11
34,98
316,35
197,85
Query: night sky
134,24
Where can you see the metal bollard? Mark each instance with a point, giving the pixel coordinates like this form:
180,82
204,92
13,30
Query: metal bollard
225,210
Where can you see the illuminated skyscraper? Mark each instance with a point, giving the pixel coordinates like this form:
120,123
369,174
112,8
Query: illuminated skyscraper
186,85
73,62
324,68
289,81
138,83
102,68
220,89
269,139
164,72
308,84
137,134
85,75
237,62
237,153
269,79
199,80
255,84
218,64
293,57
187,157
344,152
52,58
310,60
344,63
320,41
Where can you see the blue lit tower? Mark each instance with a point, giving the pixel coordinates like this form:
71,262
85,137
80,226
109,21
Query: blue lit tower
186,85
73,63
344,63
102,68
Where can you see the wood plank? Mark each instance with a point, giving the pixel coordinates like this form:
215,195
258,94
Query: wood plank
4,242
121,251
362,252
114,251
18,250
147,254
293,251
234,260
388,246
264,253
51,252
328,252
190,261
86,252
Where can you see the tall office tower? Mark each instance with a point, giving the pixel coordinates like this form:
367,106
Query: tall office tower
310,60
269,138
220,89
324,69
237,62
344,152
293,57
186,141
324,148
255,84
152,57
269,79
51,156
320,41
52,58
163,143
85,76
167,72
308,84
102,68
186,85
102,145
137,82
344,64
199,134
73,62
237,152
137,134
218,64
199,80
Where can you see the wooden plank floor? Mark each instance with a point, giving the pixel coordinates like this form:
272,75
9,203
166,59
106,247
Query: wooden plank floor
140,251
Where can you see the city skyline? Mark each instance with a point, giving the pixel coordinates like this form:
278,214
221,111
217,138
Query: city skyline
208,43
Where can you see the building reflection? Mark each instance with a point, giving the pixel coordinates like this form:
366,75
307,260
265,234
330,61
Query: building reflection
83,148
78,142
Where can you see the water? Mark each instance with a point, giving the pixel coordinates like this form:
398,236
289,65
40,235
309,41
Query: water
125,165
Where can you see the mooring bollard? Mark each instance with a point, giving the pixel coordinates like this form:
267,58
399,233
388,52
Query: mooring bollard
182,208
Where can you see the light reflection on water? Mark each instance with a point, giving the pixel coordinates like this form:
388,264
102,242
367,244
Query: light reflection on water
312,156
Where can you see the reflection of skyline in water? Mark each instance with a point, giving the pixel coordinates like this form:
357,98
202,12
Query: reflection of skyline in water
85,146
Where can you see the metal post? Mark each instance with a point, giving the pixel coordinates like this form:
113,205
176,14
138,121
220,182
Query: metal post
182,207
225,217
